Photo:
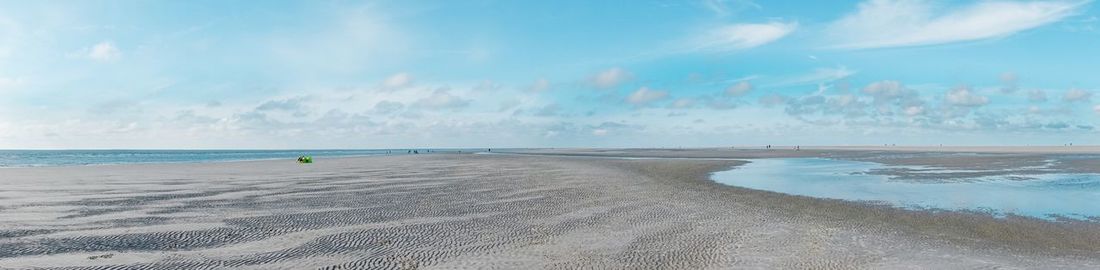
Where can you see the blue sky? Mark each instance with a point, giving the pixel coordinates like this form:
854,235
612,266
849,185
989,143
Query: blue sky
372,74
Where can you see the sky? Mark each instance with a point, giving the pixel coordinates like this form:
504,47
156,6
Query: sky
638,73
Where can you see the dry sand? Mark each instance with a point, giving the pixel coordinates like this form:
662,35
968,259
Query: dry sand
501,211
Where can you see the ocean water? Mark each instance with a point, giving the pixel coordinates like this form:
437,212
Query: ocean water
1043,196
47,158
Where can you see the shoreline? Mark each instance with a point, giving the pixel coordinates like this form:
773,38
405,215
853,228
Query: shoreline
1085,149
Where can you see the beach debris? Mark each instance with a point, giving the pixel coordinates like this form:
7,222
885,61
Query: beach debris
408,263
104,256
305,159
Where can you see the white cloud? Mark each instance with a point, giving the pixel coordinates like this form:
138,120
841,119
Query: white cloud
1010,82
682,103
1076,95
901,23
885,90
914,110
104,52
343,38
644,96
288,104
889,94
9,83
1037,95
961,96
725,7
508,104
610,78
1096,108
539,86
388,107
548,110
443,99
1034,109
772,100
399,80
486,86
743,36
739,89
817,76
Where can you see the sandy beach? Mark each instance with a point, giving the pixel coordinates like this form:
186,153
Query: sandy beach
550,208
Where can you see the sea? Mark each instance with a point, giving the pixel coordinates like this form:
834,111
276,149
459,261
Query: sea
53,158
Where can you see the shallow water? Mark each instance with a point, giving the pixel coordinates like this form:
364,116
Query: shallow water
1042,195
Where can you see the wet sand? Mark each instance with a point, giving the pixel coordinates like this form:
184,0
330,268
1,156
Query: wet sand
538,209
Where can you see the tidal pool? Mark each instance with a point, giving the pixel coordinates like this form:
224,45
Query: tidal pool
1044,196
